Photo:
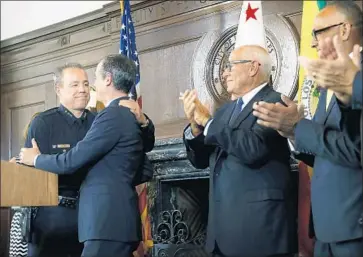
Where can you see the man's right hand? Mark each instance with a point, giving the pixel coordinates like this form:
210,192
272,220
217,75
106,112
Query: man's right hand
135,109
335,70
188,98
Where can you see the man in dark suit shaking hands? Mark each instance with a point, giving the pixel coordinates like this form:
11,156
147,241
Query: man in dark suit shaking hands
250,208
109,219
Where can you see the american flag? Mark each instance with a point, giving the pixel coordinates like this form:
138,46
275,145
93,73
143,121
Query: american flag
128,48
128,45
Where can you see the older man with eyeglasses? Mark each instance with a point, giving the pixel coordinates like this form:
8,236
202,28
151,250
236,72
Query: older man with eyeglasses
330,143
251,206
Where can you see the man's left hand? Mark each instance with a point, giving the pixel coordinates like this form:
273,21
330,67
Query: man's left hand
335,74
279,117
201,113
27,155
135,109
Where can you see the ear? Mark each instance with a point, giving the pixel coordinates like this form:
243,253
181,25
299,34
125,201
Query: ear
254,68
345,31
108,79
57,90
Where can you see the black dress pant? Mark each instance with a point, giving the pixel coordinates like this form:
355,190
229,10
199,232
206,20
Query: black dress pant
217,253
55,233
103,248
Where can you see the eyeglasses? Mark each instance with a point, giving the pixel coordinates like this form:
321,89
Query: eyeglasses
231,63
315,32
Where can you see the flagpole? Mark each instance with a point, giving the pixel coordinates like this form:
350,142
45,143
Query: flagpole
122,9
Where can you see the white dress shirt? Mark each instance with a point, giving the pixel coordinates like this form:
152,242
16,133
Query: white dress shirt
246,99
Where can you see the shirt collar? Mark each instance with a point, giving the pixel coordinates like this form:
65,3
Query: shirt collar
70,117
251,94
113,101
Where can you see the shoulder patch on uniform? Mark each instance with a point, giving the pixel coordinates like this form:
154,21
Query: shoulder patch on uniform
49,112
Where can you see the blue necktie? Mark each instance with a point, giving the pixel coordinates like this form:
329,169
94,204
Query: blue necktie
237,110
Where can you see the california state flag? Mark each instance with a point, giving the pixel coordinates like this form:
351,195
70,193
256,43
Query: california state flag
250,27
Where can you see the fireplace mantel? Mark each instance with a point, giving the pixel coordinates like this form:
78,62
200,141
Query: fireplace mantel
175,196
178,201
170,161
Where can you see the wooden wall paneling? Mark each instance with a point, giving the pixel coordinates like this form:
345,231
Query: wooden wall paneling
162,83
4,128
17,108
5,217
21,106
162,29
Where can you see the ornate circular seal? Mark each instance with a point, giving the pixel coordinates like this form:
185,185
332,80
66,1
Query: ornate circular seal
309,97
218,59
282,45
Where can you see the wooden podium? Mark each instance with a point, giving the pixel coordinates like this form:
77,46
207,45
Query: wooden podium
26,186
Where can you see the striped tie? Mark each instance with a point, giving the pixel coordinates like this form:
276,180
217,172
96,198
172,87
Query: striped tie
236,111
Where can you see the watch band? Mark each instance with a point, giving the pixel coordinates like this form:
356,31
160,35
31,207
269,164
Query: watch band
146,124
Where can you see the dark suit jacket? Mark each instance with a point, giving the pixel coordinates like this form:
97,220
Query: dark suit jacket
331,144
146,170
250,213
108,204
357,97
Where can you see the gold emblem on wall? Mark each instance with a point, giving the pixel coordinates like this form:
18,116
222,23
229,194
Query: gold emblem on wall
213,50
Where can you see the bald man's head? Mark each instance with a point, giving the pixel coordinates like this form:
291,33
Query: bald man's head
256,54
250,66
343,18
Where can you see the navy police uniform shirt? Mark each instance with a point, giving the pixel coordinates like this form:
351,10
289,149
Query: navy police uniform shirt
57,130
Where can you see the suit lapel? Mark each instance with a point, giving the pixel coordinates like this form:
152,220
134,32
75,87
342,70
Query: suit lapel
330,107
226,116
248,108
320,113
243,115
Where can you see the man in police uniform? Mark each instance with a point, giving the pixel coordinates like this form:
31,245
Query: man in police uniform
54,229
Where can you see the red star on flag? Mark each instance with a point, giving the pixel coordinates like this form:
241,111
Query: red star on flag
250,12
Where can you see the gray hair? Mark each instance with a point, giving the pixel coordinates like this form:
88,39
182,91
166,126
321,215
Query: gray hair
260,54
58,74
350,10
266,64
122,70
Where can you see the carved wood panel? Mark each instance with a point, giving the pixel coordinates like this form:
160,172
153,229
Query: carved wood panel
17,108
164,74
20,117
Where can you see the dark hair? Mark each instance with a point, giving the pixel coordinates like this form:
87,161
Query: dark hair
58,74
122,70
350,9
26,128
